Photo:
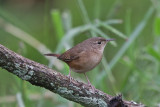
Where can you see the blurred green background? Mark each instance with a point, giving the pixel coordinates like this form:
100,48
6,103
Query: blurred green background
131,64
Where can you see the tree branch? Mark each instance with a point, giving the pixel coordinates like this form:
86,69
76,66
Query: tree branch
40,75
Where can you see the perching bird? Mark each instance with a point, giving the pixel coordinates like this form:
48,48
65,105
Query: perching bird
84,56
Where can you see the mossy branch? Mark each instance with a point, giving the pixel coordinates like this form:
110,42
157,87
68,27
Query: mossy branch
40,75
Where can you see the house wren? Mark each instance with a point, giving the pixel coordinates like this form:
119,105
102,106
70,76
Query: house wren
84,56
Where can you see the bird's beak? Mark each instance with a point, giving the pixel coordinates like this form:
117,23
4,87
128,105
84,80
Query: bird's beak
110,40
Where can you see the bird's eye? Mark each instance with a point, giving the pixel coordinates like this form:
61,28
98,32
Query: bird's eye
99,42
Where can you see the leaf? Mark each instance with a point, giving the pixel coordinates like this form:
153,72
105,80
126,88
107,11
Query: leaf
57,23
154,53
157,26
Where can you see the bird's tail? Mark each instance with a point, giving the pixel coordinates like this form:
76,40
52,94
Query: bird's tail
52,54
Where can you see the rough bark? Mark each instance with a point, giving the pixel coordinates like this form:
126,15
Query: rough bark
40,75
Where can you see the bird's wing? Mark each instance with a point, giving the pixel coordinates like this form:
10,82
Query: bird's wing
71,55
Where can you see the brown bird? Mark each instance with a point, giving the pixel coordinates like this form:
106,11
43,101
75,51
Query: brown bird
84,56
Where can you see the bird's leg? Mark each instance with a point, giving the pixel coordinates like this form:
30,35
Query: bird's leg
89,83
69,75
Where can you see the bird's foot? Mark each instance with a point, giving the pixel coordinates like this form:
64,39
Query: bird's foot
70,78
93,88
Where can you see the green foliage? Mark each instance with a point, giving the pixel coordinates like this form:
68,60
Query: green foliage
130,64
57,23
157,26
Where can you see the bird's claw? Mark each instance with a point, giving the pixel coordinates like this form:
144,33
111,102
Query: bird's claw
70,78
93,88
